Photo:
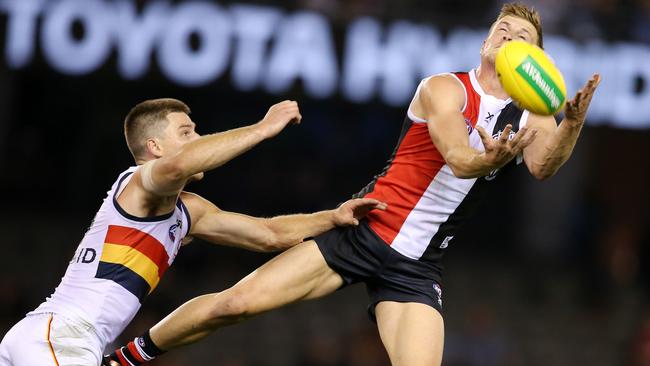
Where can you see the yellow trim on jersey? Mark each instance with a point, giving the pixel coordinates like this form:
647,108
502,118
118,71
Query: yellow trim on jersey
133,260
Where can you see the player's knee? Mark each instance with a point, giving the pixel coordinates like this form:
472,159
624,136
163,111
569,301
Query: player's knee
230,307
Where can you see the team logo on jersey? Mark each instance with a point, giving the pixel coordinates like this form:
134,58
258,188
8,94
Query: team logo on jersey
493,174
488,118
172,229
438,291
469,126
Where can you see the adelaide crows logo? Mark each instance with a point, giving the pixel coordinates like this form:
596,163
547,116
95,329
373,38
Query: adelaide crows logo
172,229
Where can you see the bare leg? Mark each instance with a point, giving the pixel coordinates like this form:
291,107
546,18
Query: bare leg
412,333
300,273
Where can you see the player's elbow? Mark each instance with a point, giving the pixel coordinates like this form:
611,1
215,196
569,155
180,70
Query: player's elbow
276,238
277,243
541,173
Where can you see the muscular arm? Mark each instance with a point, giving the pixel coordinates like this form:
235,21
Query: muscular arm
272,234
442,98
554,146
168,174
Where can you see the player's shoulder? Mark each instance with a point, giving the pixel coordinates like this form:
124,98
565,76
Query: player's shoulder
442,83
196,205
443,89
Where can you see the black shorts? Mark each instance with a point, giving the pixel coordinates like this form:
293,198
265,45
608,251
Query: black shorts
357,254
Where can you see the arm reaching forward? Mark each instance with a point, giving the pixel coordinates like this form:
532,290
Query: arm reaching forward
272,234
168,174
555,144
442,98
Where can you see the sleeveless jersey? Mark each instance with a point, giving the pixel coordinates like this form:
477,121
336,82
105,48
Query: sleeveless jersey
426,202
118,263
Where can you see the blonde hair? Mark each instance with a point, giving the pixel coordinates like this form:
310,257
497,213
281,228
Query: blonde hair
522,11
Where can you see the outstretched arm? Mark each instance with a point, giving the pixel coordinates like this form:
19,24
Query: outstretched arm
168,174
442,99
272,234
555,144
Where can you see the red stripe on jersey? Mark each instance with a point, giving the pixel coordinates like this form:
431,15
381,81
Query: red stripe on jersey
416,163
473,98
142,242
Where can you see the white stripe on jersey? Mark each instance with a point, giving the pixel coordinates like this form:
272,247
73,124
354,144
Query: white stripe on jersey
443,196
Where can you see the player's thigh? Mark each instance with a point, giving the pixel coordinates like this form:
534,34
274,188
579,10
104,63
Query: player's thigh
74,343
412,333
26,343
299,273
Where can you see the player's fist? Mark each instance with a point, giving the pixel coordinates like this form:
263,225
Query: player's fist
278,117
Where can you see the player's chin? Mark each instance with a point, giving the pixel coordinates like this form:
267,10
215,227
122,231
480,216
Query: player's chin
196,177
490,55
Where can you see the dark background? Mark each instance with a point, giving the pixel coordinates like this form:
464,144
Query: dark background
551,273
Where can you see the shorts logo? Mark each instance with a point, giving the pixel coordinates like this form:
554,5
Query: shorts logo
445,243
438,291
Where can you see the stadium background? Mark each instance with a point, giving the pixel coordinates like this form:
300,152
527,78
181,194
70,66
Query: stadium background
551,273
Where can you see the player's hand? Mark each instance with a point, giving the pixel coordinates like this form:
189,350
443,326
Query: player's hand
575,109
278,117
352,210
498,152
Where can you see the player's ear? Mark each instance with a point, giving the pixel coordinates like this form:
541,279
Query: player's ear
154,147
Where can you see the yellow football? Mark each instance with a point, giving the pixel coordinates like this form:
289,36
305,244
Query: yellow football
530,78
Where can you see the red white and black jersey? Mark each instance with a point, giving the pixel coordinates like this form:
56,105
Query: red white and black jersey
426,203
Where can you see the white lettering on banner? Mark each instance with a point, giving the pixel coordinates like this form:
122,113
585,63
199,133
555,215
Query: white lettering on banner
254,27
396,64
212,26
303,48
76,56
136,36
265,47
21,30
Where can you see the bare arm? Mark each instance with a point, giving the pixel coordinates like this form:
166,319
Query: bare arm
277,233
554,146
169,174
442,99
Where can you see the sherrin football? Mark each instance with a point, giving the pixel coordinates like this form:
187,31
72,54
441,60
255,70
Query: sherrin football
530,78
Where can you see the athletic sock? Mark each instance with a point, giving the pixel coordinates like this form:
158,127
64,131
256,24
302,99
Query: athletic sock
140,350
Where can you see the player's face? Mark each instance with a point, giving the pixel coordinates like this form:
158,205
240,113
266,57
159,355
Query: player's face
504,30
179,131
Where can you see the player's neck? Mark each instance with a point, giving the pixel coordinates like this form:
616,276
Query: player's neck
487,78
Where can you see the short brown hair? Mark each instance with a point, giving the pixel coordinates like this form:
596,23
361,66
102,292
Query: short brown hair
530,14
148,119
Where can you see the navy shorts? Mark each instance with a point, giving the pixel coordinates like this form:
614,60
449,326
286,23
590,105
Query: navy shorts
357,254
